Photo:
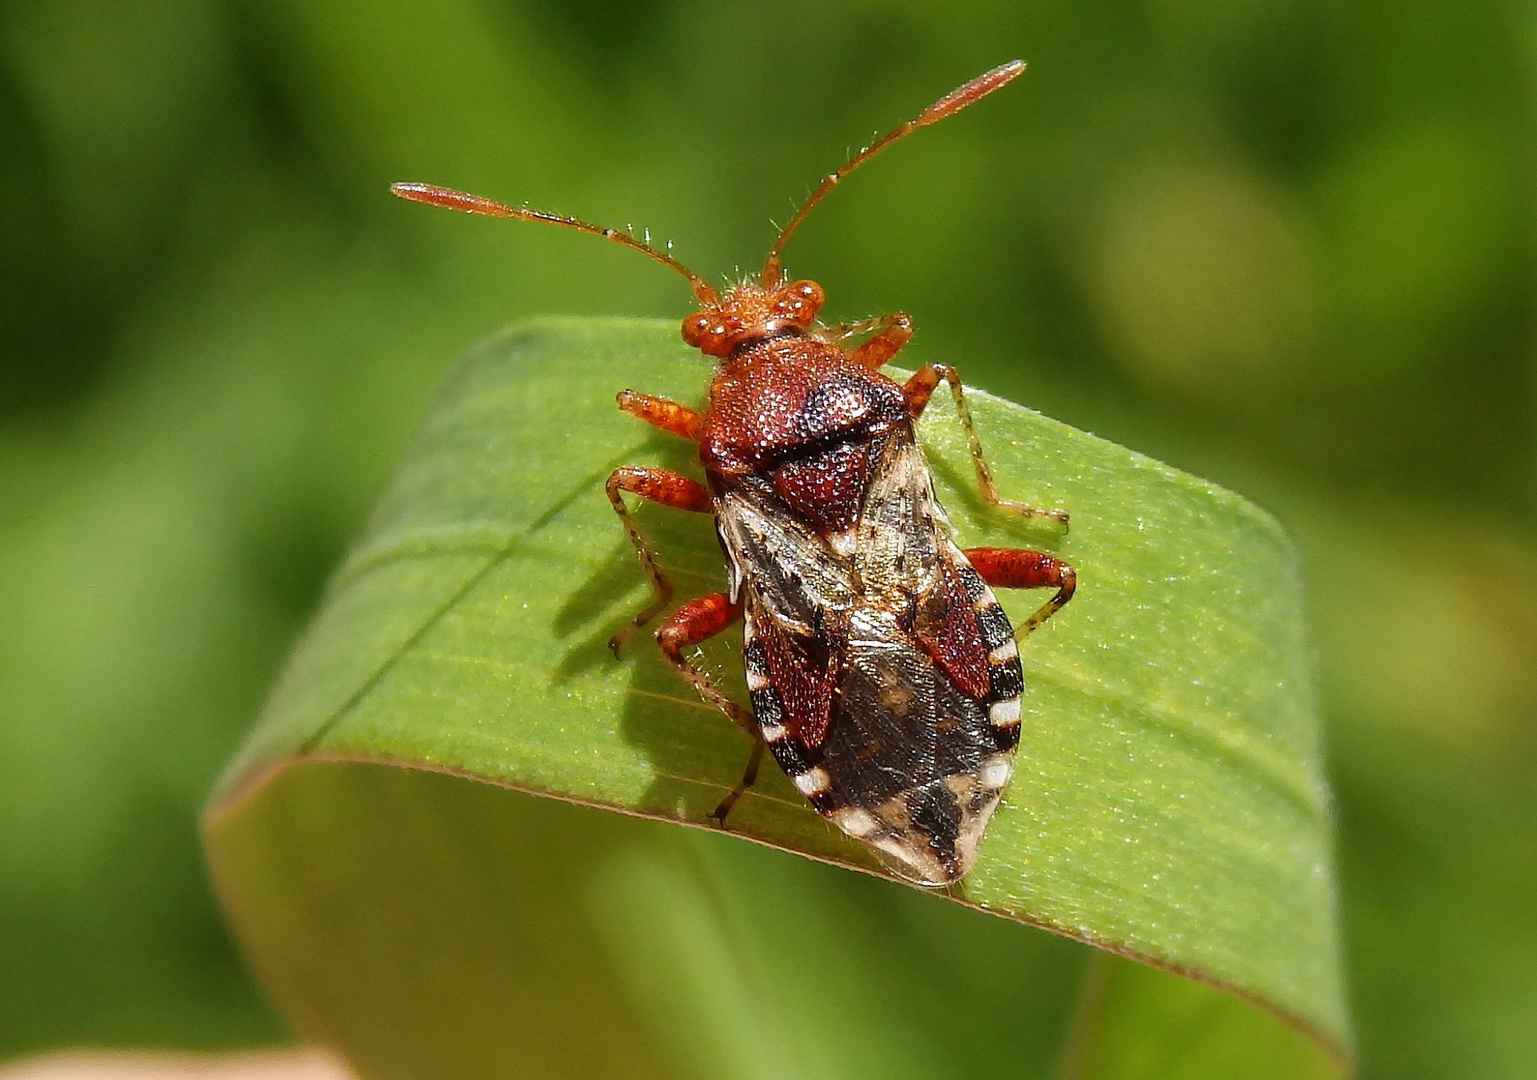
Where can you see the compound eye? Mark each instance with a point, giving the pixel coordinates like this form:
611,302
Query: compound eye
696,329
806,299
706,332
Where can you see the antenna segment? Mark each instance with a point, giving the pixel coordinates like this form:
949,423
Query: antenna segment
449,199
951,103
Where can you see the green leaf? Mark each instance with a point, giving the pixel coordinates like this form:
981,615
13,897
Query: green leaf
1168,804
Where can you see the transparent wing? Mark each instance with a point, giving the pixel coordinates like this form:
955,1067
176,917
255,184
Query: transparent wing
871,675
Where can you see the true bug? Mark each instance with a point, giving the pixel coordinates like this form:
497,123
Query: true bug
884,677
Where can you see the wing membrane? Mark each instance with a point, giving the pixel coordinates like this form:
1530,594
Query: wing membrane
871,675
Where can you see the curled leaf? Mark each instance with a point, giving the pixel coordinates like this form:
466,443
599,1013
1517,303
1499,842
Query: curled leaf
1168,804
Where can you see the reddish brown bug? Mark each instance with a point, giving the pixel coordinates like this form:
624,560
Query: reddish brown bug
884,677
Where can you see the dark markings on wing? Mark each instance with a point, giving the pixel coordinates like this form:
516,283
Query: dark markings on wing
868,655
795,589
899,724
935,811
777,564
768,708
947,628
1005,681
993,625
802,669
976,588
794,757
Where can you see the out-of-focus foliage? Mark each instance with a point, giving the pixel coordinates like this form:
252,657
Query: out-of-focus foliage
1285,244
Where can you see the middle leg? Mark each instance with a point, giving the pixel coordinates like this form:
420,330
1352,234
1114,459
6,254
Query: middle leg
920,388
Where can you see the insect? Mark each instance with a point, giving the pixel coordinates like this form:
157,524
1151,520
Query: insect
884,676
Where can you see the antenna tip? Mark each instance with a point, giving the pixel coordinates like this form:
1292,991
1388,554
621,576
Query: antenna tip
962,96
424,193
449,199
998,76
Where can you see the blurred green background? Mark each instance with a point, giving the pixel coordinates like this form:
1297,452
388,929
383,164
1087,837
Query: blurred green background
1286,244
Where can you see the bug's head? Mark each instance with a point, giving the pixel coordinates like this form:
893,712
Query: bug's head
751,312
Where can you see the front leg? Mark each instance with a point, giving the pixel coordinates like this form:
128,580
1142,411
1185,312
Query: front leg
891,332
918,389
659,486
662,412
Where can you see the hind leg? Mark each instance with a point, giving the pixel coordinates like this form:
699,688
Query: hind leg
1021,568
694,622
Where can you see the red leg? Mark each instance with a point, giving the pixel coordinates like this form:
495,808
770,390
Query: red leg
689,625
1021,568
918,389
663,413
659,486
891,333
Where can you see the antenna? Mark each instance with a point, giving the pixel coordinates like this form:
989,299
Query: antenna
952,102
449,199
